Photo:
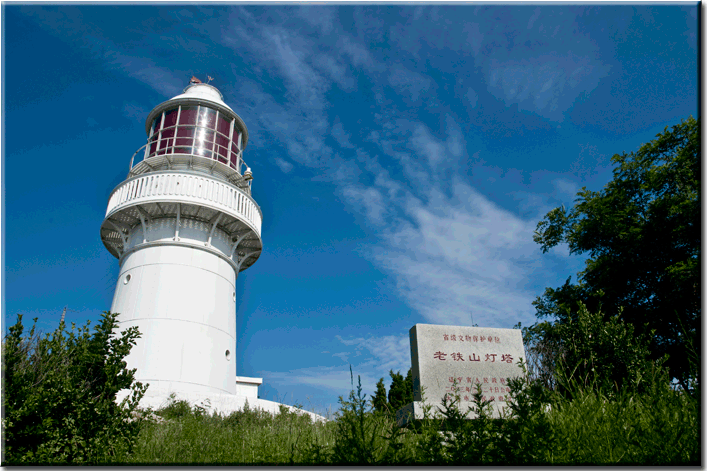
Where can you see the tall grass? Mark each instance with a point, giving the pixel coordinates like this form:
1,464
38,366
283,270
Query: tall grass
658,427
586,426
193,436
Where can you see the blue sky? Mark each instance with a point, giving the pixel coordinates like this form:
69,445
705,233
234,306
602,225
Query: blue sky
402,156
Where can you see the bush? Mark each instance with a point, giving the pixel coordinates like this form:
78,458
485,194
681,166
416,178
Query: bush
593,350
59,394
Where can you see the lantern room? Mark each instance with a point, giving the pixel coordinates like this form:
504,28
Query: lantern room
197,128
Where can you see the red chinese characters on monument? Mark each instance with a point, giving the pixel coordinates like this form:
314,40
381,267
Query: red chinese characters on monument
470,338
457,356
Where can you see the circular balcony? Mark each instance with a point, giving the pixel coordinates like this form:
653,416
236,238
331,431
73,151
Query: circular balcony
191,196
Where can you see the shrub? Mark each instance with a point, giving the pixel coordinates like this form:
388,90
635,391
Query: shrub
59,394
359,437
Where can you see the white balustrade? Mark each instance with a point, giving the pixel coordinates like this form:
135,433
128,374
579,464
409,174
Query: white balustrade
186,188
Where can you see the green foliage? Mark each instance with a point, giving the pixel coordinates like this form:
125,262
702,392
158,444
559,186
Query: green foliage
658,427
528,437
397,395
59,394
607,355
400,394
359,438
175,408
468,437
642,233
543,349
191,435
379,401
585,426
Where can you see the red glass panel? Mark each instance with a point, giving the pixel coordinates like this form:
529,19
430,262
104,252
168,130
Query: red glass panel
234,160
170,118
157,124
222,146
153,146
166,139
224,125
188,116
185,132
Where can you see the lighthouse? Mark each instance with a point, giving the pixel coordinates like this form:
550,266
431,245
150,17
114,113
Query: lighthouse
183,225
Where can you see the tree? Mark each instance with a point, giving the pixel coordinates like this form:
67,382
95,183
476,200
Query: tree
379,401
400,393
642,234
59,394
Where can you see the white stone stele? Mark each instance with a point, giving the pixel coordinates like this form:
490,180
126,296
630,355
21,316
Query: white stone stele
443,354
224,404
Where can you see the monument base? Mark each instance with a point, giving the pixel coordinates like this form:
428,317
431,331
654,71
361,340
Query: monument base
223,404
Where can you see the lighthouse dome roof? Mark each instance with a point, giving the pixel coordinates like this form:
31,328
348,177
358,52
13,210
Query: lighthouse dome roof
202,91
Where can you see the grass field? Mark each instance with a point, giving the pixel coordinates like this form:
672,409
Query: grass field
661,426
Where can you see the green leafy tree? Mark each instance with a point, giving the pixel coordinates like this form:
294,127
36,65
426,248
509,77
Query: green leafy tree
59,394
642,235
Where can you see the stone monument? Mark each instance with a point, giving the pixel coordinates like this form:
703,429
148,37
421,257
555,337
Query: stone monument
444,357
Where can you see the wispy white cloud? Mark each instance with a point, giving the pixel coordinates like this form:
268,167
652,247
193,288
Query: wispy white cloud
547,84
335,379
390,352
284,165
372,358
341,136
371,201
132,110
322,17
409,83
458,255
472,97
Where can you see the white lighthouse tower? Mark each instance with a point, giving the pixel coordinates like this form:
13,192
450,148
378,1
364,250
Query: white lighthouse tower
183,225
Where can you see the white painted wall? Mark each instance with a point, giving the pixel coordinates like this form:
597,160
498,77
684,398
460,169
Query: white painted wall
182,299
248,387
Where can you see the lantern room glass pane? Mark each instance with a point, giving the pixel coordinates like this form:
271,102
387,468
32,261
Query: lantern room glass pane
157,123
189,114
202,150
204,137
207,117
185,140
153,146
166,140
222,147
170,118
224,125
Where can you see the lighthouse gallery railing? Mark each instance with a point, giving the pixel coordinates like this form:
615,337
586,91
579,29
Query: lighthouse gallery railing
184,188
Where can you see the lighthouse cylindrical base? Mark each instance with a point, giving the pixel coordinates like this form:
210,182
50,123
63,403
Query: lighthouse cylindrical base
182,300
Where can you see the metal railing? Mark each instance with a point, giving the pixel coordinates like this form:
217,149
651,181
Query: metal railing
190,189
168,145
